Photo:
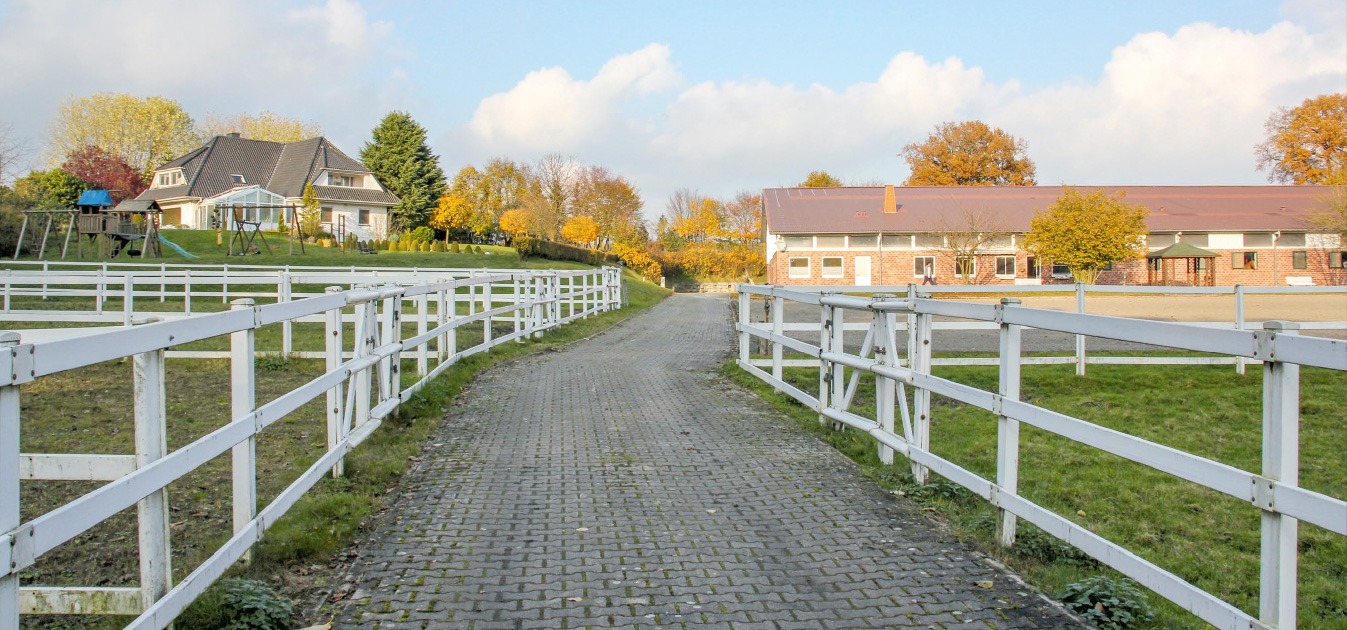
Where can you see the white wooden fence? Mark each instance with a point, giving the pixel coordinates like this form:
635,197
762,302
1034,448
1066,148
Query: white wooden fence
905,428
362,385
1080,357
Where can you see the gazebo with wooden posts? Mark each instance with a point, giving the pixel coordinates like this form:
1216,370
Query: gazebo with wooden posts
1181,264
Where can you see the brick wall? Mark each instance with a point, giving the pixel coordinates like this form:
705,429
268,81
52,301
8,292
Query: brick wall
893,267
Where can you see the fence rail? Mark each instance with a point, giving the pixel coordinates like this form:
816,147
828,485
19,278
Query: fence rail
904,427
362,385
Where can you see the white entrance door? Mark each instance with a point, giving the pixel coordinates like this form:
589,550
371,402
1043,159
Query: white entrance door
862,271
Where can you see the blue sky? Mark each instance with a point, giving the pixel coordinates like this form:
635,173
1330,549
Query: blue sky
715,96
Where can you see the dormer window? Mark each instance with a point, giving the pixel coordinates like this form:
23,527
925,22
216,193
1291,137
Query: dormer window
347,181
236,179
170,178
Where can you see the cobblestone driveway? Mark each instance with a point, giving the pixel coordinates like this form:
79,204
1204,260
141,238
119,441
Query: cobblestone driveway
622,482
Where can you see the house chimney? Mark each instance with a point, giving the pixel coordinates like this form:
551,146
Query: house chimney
233,134
890,202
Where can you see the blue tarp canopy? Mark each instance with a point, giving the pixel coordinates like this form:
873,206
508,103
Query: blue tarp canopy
99,198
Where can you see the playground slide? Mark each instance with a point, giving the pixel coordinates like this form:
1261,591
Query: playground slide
173,246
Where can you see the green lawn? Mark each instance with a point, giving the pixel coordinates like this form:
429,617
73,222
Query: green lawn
1206,538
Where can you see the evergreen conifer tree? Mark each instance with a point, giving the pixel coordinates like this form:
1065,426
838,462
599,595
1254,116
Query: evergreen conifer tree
400,157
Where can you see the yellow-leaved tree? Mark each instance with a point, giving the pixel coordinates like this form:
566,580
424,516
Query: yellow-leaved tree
453,214
310,213
264,125
1088,232
581,230
820,179
515,222
144,132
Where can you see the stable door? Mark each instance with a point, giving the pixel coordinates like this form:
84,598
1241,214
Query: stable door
862,271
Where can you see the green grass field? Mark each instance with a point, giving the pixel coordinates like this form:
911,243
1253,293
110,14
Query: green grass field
89,410
1204,537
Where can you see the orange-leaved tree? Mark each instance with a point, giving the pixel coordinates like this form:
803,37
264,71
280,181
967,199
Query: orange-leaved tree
451,214
1307,144
968,153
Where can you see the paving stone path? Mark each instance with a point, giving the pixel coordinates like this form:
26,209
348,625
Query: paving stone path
623,482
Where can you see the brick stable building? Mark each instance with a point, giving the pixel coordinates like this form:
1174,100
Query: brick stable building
886,235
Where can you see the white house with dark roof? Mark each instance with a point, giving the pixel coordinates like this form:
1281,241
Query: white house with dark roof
256,180
887,235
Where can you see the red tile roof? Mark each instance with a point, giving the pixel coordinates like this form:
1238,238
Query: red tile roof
1173,208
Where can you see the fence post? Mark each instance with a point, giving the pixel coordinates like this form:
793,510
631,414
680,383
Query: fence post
837,328
1239,321
287,332
336,397
1080,339
885,388
187,291
243,398
778,328
128,298
390,377
515,315
488,302
825,345
152,444
224,284
1008,429
366,333
452,334
440,319
422,317
744,302
9,483
163,271
921,397
1281,462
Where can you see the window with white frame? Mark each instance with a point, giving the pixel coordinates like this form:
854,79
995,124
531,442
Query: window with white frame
1337,260
1061,271
362,216
325,215
1300,259
1291,239
798,242
799,267
1261,239
171,178
347,181
830,242
1005,266
1244,260
928,241
923,266
832,267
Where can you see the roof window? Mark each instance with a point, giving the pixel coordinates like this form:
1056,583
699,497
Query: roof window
236,179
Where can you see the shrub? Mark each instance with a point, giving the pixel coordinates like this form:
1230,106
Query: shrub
422,234
455,249
477,249
639,261
1108,603
437,246
239,604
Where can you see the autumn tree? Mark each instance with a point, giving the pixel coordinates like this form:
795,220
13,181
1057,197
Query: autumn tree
742,221
453,214
611,201
968,153
1088,232
145,132
967,233
515,222
264,125
1307,144
101,169
820,179
581,230
399,155
554,177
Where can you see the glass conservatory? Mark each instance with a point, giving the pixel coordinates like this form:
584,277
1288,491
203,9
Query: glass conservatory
252,204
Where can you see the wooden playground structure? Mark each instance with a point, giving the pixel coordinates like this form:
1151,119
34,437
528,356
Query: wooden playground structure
94,221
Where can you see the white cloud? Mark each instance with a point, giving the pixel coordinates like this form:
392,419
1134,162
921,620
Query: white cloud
346,23
551,111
